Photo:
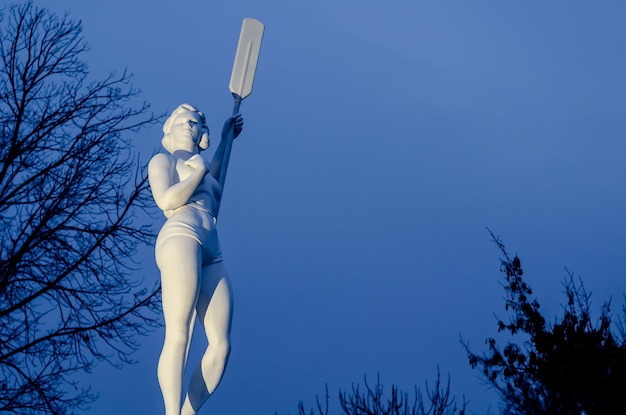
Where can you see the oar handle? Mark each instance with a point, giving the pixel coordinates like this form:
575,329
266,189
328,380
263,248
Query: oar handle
236,106
227,149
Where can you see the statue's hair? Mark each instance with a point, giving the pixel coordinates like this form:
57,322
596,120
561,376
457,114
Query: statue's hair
167,140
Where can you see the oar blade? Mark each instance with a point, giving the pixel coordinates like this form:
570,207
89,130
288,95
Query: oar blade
246,58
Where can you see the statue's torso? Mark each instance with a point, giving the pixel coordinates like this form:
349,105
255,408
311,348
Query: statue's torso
195,219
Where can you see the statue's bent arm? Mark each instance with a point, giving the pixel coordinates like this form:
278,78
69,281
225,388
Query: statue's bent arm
167,194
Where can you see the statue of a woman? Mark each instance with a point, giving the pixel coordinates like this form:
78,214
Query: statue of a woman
193,277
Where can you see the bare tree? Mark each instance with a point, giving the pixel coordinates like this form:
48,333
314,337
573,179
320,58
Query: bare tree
372,401
69,194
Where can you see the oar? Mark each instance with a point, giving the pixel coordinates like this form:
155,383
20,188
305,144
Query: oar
241,80
240,86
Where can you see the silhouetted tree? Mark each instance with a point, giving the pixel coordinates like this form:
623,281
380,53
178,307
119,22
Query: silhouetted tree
566,367
371,401
68,192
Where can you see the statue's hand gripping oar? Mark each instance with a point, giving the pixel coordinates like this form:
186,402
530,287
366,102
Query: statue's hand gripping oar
241,80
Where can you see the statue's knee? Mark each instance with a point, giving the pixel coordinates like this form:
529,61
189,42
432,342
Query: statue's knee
177,337
221,348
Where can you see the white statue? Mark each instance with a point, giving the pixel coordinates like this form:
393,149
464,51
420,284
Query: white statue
193,277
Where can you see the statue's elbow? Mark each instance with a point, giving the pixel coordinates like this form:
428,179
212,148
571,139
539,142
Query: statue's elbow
165,204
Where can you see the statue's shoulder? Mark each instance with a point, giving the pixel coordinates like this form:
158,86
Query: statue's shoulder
161,159
160,162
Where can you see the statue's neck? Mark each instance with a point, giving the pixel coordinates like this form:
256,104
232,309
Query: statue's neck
184,154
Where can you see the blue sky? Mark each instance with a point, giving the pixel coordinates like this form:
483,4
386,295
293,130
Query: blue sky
380,140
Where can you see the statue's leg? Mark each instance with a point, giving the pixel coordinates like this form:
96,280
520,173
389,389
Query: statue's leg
179,260
214,311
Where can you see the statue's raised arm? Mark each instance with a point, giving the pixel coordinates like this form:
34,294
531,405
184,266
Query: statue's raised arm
234,124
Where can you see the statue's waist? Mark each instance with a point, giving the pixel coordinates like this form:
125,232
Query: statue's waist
200,206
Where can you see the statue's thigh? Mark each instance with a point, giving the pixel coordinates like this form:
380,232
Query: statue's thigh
215,302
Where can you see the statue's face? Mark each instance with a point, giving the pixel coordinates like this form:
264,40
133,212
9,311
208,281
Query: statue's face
186,130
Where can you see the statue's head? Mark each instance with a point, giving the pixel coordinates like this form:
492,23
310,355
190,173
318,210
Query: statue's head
167,140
